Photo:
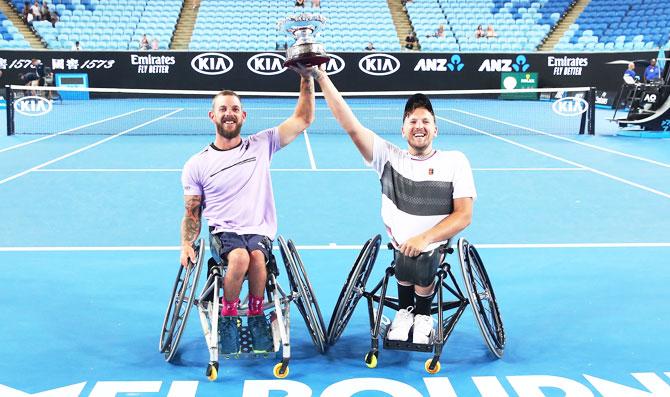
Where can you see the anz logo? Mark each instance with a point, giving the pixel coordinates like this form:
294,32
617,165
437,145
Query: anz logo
33,106
379,64
267,64
212,63
519,64
453,64
666,125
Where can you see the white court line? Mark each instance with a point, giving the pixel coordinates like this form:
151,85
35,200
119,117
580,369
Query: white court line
519,169
312,163
37,167
574,163
334,247
612,151
66,131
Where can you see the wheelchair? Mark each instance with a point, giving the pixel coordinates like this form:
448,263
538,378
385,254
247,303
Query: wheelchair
479,295
207,302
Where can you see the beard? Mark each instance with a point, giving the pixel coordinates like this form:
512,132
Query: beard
222,132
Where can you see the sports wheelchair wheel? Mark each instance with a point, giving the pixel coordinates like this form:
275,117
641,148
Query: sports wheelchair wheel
482,298
353,289
181,300
306,301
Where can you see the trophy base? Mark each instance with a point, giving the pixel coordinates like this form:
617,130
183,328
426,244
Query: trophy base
307,60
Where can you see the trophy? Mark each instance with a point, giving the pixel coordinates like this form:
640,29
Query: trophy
305,50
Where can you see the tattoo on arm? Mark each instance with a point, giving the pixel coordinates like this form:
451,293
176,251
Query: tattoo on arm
190,225
307,86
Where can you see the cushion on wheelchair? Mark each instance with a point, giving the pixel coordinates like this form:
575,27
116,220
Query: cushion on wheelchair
419,270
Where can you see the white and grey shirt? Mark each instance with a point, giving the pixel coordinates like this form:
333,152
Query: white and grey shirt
417,193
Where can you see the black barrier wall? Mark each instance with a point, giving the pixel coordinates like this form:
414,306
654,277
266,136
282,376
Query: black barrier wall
350,71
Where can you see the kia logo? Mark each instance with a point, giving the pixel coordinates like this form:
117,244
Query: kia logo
570,106
32,106
267,63
212,63
379,64
334,65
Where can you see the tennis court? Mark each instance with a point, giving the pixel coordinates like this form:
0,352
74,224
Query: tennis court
573,230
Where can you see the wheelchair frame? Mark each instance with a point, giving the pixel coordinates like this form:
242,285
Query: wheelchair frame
207,302
480,297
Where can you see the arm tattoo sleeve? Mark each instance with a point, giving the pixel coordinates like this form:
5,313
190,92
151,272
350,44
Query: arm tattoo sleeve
190,225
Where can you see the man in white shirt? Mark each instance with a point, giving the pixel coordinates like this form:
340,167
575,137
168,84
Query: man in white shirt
427,198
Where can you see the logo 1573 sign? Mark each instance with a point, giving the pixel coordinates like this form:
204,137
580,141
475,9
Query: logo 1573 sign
212,63
570,106
379,64
32,106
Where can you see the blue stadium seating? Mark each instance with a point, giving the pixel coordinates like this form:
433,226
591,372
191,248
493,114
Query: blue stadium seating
11,38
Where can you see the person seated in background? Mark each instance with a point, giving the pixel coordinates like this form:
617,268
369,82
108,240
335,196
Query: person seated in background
629,76
154,44
300,3
410,41
440,31
76,46
652,72
144,43
316,3
370,47
490,32
36,11
479,32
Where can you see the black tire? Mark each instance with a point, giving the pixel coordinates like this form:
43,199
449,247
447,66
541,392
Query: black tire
181,300
353,289
482,298
306,300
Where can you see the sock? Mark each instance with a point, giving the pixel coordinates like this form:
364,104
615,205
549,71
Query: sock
255,305
422,305
405,296
229,308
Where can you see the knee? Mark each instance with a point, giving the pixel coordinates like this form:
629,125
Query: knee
257,262
238,262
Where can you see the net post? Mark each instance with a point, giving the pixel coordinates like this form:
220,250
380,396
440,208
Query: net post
592,111
9,109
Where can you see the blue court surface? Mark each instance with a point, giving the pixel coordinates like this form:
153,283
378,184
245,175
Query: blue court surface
574,232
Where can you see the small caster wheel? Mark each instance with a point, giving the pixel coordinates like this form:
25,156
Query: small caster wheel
212,371
280,373
435,369
371,359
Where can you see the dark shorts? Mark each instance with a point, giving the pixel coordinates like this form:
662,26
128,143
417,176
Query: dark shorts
419,270
251,242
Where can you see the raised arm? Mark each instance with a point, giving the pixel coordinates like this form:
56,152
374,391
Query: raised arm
190,227
447,228
362,137
303,115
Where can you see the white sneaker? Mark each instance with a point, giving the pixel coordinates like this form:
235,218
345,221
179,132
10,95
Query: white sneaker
423,329
401,324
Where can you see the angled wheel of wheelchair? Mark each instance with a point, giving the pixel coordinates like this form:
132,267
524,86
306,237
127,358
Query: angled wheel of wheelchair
306,301
482,298
353,289
181,300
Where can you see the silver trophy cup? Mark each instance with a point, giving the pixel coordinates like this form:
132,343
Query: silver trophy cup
305,50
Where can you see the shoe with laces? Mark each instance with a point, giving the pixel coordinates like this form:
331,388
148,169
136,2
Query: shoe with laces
401,325
261,337
229,334
423,329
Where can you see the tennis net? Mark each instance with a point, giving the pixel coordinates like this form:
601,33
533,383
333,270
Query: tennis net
108,111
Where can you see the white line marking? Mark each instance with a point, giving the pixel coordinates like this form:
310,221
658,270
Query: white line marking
37,167
519,169
573,163
333,246
312,163
66,131
666,165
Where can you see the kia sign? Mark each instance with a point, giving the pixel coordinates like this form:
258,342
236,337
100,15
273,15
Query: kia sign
379,64
267,64
212,63
32,106
570,106
334,65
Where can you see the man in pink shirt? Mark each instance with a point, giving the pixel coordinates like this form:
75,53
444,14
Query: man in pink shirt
228,182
